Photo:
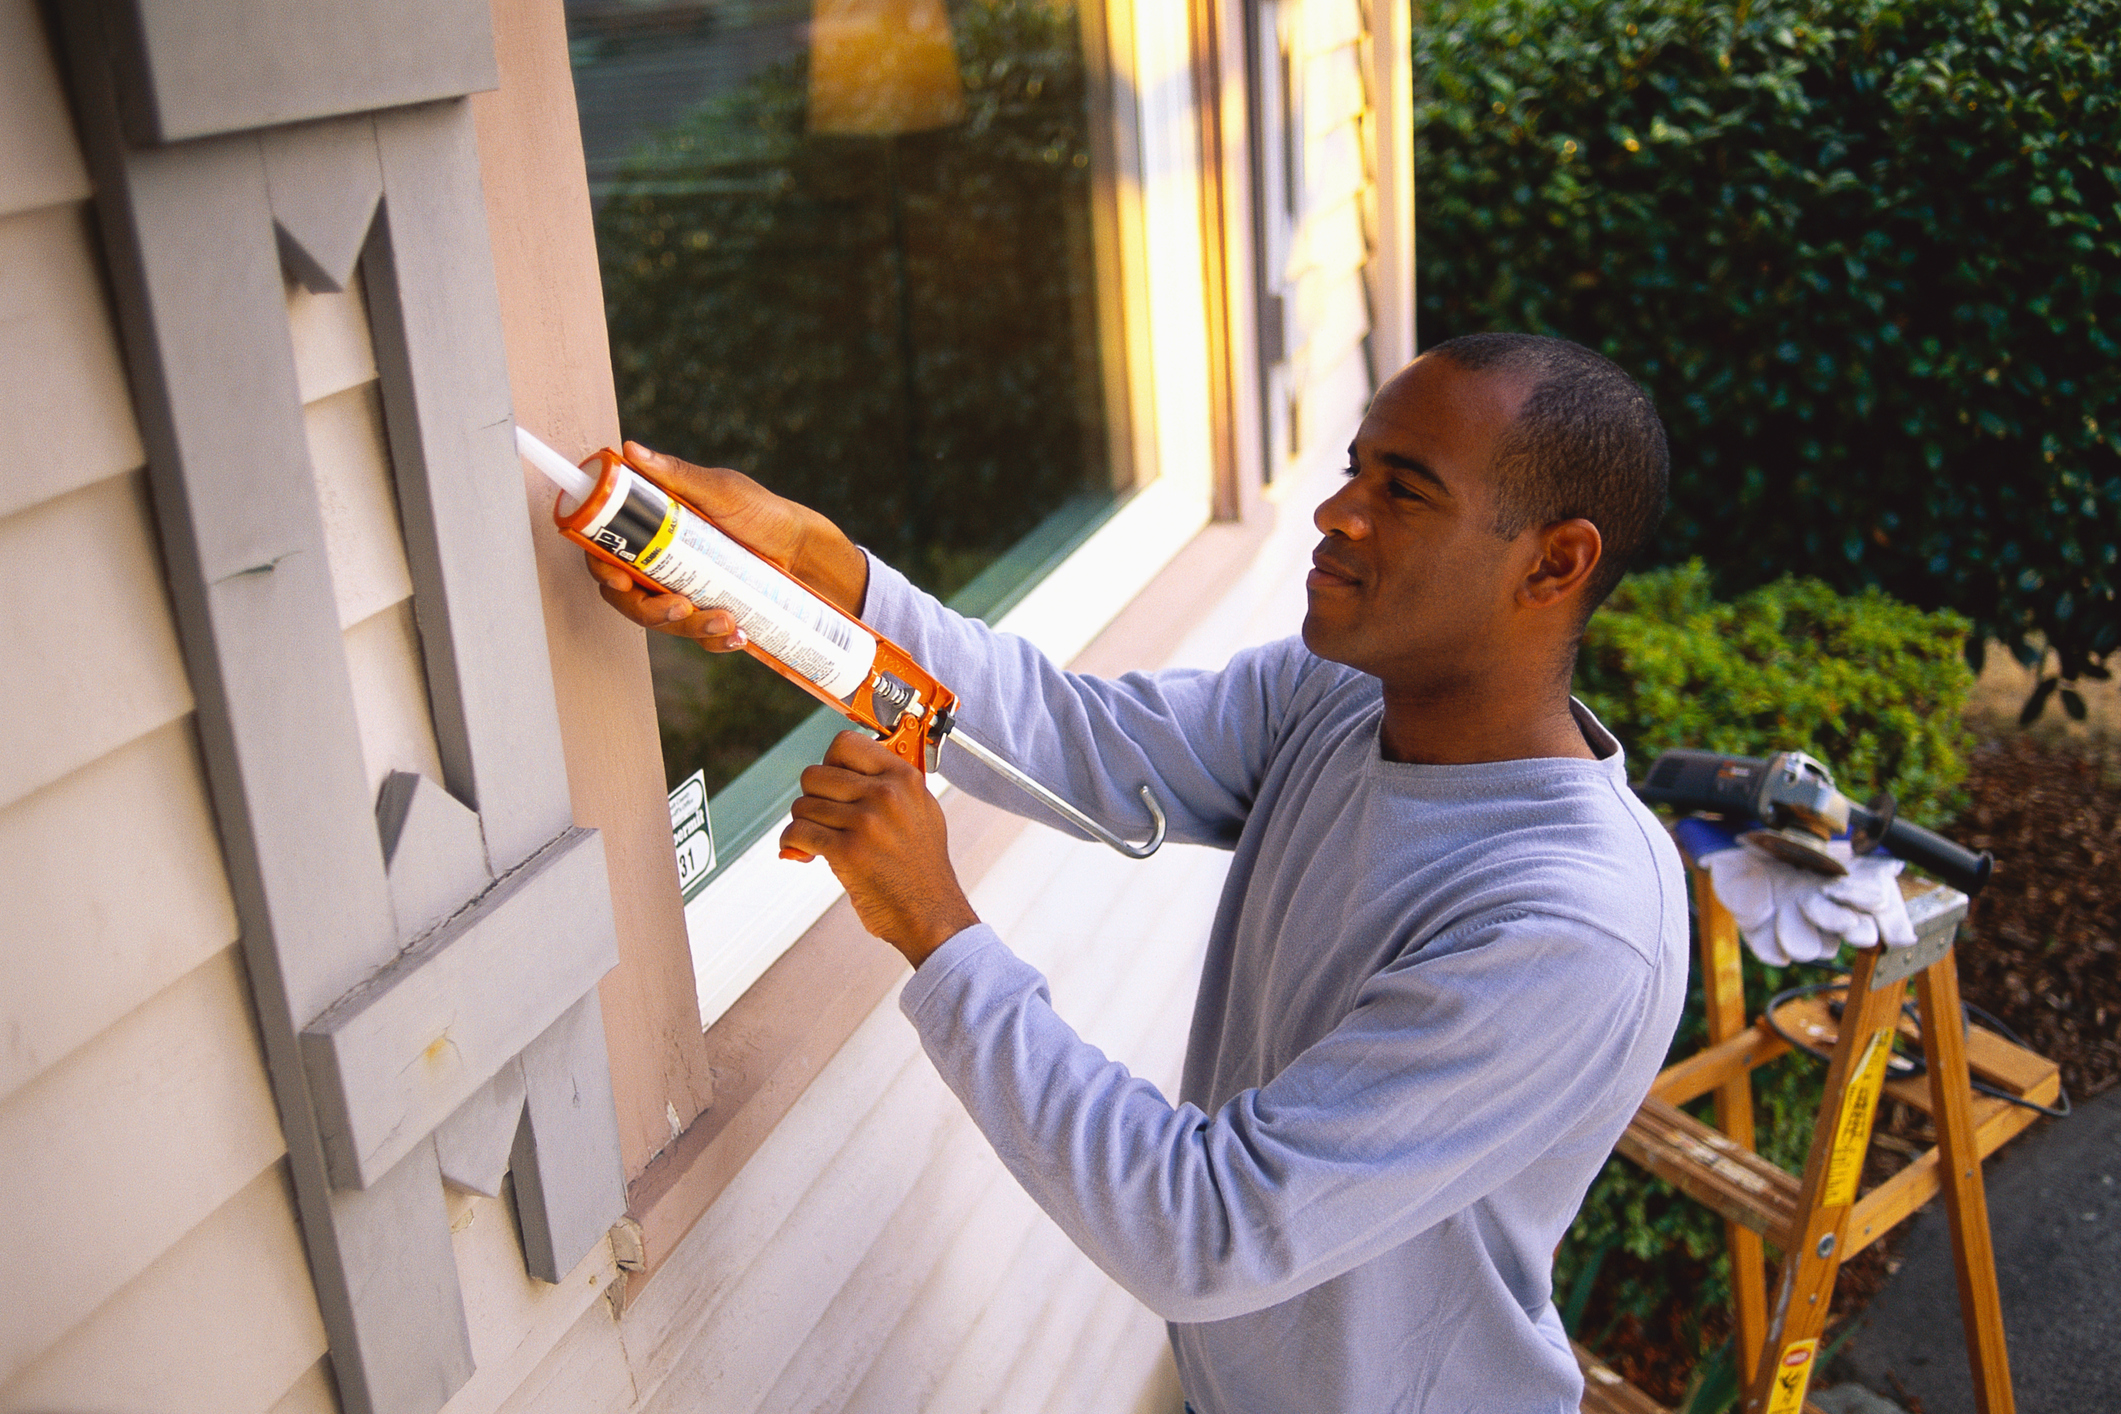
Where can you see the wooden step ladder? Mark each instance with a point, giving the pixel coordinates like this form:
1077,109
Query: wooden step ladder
1820,1220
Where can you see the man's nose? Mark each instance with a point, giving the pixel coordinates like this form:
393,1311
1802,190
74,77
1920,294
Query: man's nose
1341,513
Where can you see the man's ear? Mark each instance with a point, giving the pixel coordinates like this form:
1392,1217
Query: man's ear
1569,550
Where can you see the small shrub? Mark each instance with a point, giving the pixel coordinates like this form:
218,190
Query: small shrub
1873,688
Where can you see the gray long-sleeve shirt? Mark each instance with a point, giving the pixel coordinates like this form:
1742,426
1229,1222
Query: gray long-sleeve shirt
1433,997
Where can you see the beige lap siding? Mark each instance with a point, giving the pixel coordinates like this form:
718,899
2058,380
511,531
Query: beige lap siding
149,1229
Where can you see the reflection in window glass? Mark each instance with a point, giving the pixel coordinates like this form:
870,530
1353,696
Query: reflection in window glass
846,248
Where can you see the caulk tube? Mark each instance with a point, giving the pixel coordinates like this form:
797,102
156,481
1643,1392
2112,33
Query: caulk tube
652,532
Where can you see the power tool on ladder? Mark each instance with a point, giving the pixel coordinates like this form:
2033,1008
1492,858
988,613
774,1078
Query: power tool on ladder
611,507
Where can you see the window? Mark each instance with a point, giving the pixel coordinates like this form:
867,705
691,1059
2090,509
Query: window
870,252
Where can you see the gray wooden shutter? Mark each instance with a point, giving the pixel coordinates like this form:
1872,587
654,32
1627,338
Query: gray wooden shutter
424,964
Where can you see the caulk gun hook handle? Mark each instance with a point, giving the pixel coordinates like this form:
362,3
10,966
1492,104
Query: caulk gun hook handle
1156,836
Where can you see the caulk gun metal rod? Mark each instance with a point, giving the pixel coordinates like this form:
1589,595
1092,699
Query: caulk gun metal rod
993,762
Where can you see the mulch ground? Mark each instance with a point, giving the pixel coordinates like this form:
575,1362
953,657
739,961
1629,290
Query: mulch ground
2043,942
2041,950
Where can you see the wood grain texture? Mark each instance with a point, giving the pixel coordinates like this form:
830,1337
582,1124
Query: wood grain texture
383,53
395,1056
120,861
445,395
221,1323
559,364
40,163
1723,991
179,1079
67,696
66,420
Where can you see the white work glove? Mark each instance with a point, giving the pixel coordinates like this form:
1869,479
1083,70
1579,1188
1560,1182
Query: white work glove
1787,914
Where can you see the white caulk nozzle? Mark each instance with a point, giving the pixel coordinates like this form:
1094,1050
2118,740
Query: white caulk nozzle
575,484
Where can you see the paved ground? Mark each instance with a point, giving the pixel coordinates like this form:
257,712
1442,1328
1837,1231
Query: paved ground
2055,1208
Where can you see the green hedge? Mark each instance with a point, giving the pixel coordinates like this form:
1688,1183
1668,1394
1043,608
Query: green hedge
1865,255
1872,687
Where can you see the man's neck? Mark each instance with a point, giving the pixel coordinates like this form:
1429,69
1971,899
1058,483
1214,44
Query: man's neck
1457,729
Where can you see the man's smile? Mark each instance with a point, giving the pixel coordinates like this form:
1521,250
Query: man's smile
1328,572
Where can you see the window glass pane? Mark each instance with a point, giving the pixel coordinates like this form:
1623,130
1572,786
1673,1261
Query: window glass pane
847,249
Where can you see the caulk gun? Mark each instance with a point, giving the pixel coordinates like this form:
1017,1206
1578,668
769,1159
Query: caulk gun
1795,809
615,510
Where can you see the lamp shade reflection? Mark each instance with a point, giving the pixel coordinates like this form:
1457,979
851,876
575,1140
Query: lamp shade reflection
879,67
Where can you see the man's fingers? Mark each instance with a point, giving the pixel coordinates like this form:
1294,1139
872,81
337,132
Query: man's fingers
863,754
714,629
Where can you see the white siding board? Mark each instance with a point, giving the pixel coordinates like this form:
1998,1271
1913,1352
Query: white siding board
1116,1330
76,686
313,1393
1041,1360
1337,317
351,459
1338,396
66,420
844,1343
1327,24
180,1080
717,1256
971,1383
810,1257
389,678
224,1322
40,162
985,1251
115,890
1332,242
1334,168
586,1370
515,1320
1333,88
334,346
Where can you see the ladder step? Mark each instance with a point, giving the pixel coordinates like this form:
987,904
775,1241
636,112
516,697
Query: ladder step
1714,1171
1605,1392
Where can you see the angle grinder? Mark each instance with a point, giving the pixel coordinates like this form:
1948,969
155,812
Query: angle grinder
1795,809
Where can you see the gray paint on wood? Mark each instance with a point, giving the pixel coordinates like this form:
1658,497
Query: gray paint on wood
569,1182
445,395
199,237
404,1344
399,1053
323,181
474,1144
432,849
298,59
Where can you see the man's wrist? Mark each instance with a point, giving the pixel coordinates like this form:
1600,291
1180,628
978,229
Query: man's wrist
937,931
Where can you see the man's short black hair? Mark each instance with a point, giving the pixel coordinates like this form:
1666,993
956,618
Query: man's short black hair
1587,443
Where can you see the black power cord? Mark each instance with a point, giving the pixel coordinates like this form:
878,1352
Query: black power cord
1906,1067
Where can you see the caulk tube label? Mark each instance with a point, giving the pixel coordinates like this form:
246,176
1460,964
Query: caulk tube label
647,528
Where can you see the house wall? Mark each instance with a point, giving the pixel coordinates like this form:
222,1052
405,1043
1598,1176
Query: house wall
150,1225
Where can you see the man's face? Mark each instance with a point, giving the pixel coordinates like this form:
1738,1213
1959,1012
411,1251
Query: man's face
1411,584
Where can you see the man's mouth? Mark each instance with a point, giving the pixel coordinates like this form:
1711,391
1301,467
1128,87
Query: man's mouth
1329,573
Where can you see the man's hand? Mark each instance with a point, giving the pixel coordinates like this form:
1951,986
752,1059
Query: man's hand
871,816
791,535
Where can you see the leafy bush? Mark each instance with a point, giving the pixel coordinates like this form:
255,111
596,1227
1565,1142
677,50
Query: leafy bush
1865,255
1872,687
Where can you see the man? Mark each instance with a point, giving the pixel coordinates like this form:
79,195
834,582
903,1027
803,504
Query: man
1451,949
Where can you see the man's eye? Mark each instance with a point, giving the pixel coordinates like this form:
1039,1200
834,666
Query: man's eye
1400,491
1349,471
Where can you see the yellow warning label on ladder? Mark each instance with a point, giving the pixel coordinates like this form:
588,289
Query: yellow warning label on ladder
1852,1128
1793,1375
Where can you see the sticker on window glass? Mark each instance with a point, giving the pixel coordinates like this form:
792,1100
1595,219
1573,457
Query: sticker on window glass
692,833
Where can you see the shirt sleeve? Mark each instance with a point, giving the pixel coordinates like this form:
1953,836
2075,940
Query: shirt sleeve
1456,1070
1200,739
